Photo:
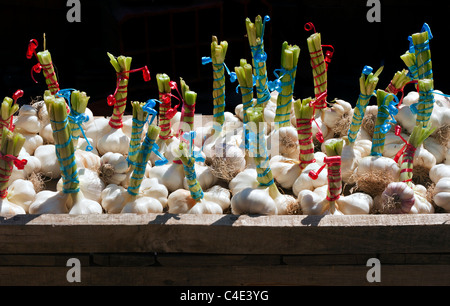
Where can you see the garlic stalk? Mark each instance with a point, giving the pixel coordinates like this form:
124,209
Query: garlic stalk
11,144
367,84
285,84
70,199
386,108
255,34
417,137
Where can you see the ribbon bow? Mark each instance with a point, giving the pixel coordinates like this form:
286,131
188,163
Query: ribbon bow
188,137
19,163
75,117
327,161
233,77
121,75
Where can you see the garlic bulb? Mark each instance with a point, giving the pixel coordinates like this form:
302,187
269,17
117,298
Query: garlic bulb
27,121
9,208
305,182
22,193
181,202
245,179
397,198
143,205
32,142
315,203
49,161
374,173
150,187
227,162
86,159
51,202
114,140
113,168
253,201
439,171
441,194
219,195
283,141
114,198
90,184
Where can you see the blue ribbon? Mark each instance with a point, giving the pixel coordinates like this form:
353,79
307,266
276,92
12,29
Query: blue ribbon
392,111
419,48
259,56
67,178
74,116
190,136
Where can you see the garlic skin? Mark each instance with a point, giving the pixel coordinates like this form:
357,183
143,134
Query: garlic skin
32,141
8,208
57,202
22,193
114,140
49,161
170,175
245,179
84,206
219,195
114,198
113,168
442,194
205,177
33,165
436,149
51,202
86,159
283,141
150,187
397,198
142,205
90,184
228,161
253,201
97,129
315,203
181,202
46,133
27,121
438,172
304,182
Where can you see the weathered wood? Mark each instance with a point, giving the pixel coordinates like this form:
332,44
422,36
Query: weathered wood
189,260
225,234
345,275
59,260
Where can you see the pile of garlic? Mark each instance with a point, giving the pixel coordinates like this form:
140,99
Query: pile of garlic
228,175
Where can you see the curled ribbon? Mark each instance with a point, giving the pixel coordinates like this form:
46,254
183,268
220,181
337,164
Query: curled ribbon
121,76
75,117
189,137
19,163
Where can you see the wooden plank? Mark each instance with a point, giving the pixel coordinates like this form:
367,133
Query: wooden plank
124,260
42,259
345,275
327,260
225,234
191,260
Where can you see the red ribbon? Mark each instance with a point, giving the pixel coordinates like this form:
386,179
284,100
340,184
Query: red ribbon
398,131
334,176
19,163
396,90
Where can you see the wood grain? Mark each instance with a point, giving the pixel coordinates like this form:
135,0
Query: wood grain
225,234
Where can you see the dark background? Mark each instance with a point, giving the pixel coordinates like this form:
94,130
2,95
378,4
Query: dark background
172,36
